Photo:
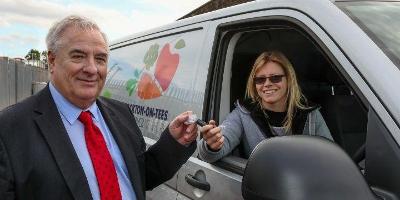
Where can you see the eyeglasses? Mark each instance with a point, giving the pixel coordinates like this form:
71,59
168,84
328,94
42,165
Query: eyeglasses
273,79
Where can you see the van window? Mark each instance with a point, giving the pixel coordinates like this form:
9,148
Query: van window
154,75
381,21
319,79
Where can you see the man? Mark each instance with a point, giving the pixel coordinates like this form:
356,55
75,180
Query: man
67,143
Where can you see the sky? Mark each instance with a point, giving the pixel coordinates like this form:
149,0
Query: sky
24,23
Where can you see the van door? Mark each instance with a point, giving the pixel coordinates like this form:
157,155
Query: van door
328,74
160,76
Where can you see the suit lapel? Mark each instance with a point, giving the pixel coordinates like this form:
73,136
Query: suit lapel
52,128
122,136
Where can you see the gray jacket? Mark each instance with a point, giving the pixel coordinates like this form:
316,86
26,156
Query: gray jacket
240,126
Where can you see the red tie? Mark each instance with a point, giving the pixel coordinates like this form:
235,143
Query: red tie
101,159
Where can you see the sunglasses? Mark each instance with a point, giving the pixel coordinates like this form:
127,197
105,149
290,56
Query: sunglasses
273,79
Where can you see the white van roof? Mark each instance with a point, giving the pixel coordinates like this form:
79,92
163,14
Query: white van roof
307,6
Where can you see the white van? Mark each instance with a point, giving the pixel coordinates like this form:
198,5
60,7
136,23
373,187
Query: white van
346,55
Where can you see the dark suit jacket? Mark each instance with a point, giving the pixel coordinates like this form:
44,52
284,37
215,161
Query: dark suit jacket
38,161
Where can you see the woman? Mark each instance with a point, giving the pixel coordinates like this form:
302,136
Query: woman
274,106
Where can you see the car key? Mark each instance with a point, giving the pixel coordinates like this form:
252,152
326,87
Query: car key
193,119
201,122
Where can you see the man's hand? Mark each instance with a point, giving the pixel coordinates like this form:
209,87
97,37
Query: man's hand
213,136
183,133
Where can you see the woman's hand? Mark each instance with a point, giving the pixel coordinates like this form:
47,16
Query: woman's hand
212,136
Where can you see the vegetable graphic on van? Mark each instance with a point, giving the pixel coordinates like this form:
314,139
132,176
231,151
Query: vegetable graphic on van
166,66
131,83
151,56
151,86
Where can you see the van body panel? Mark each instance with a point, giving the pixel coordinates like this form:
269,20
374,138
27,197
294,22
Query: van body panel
159,78
185,66
224,184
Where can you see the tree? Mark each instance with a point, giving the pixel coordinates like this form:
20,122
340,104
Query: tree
33,54
44,59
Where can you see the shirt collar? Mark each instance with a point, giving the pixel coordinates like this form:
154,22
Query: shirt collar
68,110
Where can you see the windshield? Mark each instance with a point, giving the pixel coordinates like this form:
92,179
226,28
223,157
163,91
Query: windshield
381,21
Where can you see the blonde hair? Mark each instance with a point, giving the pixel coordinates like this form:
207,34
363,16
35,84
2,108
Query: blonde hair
294,97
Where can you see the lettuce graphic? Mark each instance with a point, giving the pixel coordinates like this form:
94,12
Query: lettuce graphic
151,56
131,84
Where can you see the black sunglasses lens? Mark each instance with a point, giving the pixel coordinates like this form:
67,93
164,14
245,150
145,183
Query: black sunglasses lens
275,78
259,80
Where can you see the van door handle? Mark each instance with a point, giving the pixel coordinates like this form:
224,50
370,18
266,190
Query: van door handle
203,185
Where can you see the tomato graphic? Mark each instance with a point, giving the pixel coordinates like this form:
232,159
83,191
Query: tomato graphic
147,87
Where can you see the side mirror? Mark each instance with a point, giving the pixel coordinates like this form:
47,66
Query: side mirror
303,168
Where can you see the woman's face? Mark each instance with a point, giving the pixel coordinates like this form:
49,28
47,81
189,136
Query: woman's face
271,85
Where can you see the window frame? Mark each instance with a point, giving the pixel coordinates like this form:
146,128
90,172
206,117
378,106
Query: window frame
224,33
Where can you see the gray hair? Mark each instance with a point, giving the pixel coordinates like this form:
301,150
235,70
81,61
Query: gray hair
53,38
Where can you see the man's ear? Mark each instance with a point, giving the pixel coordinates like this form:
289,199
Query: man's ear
51,57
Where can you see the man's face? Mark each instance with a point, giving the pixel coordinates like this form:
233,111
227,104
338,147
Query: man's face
79,67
